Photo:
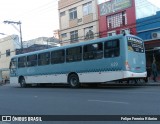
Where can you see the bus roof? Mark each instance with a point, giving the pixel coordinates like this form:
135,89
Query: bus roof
75,45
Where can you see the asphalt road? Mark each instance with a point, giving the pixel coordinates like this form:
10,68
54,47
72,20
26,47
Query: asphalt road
106,100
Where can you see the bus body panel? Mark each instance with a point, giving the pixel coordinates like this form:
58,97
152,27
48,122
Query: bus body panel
54,78
137,62
136,54
84,77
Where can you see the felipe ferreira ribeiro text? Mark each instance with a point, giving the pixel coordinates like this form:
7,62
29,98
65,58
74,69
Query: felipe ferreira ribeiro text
139,119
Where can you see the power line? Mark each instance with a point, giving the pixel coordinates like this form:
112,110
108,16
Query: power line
39,8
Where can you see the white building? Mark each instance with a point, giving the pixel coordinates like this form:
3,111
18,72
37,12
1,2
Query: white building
8,46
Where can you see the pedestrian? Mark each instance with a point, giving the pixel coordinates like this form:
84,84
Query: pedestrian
154,70
148,73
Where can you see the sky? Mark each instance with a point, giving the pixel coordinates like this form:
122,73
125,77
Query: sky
39,18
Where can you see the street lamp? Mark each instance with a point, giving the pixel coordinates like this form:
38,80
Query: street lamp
20,31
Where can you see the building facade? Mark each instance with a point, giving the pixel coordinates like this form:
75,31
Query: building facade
78,20
39,44
148,29
8,46
117,16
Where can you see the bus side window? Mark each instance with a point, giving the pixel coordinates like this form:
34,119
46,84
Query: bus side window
32,60
74,54
111,49
22,62
57,56
44,58
93,51
98,54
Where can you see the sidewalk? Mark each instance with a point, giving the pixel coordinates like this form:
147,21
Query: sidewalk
3,83
152,83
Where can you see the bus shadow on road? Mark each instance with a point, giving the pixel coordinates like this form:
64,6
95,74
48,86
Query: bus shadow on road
88,86
113,86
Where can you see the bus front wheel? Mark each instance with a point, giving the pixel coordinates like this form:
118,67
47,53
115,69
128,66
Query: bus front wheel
73,81
22,82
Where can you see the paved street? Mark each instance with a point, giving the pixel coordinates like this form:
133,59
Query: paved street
106,100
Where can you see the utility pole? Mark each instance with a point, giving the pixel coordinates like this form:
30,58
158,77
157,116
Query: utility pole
20,31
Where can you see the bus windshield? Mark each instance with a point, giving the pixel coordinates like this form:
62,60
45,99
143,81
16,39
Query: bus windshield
135,45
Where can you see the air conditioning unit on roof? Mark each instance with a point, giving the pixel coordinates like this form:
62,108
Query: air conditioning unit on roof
155,35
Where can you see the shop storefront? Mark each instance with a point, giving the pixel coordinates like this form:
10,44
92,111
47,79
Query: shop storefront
153,52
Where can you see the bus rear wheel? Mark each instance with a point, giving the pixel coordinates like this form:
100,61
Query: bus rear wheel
73,81
22,82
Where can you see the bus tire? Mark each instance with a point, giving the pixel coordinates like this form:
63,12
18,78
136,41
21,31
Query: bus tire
22,82
73,81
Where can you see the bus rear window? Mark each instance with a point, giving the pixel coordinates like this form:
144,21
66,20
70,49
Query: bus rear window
135,45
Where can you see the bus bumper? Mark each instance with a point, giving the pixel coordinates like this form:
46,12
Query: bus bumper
128,74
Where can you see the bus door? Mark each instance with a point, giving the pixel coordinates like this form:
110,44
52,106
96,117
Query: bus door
13,67
136,55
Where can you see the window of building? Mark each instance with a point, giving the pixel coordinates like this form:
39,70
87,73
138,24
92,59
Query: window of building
117,20
74,54
93,51
57,56
8,52
32,60
111,49
89,34
22,62
111,33
73,13
62,13
64,35
124,18
74,36
87,8
44,58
